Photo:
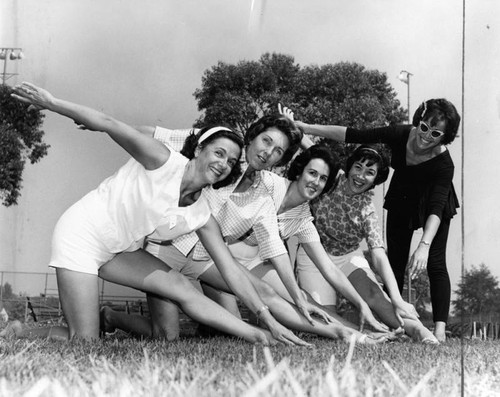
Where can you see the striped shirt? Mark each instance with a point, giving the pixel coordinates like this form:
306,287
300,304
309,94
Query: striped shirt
173,138
238,214
297,221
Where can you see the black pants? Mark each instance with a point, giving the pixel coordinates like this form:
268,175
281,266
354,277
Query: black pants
398,250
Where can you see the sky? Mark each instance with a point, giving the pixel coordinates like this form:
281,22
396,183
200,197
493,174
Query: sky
142,61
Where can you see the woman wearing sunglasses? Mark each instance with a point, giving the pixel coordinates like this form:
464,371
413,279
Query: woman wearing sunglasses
420,195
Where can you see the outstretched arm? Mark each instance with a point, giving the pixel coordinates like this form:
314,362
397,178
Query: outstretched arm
237,280
340,282
145,129
333,132
284,269
418,260
402,309
149,152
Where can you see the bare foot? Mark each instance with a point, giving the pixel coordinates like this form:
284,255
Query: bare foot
105,321
365,339
424,335
440,331
383,336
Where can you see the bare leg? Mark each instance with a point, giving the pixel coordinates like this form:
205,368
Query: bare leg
284,311
163,323
268,274
78,293
379,302
440,331
226,300
79,296
143,271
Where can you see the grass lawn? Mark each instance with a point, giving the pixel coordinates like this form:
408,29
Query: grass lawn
223,366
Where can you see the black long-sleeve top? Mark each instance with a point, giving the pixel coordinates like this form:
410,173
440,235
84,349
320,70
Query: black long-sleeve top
415,191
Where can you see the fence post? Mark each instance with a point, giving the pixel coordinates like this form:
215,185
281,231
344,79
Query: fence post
1,287
26,311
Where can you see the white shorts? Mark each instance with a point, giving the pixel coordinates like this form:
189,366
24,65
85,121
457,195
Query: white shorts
76,245
311,280
248,256
177,260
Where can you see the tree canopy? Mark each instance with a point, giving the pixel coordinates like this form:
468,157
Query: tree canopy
478,293
343,93
20,139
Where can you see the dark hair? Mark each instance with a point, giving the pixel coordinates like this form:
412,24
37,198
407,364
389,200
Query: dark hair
191,143
374,154
316,152
436,110
282,123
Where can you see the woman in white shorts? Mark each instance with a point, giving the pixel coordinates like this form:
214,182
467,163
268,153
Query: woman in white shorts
243,208
294,218
344,217
158,189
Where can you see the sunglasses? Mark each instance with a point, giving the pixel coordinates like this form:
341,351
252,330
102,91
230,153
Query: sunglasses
434,133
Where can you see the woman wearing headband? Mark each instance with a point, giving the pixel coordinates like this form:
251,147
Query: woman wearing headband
243,209
344,217
272,140
294,218
312,173
158,189
420,195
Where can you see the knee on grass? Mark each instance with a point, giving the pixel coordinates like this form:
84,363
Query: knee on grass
168,332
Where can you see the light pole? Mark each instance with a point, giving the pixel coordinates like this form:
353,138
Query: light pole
404,76
12,53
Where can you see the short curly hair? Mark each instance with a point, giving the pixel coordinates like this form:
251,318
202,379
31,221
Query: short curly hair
374,154
282,123
191,143
316,152
436,110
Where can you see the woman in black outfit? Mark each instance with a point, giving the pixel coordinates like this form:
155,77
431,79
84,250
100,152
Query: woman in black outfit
420,195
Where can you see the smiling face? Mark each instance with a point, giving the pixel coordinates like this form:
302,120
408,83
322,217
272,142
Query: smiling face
361,176
217,159
313,179
266,149
424,139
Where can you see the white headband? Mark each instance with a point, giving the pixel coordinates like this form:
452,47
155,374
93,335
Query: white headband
212,131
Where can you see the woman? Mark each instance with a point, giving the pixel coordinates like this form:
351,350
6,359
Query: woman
311,174
155,187
344,218
420,195
270,141
294,219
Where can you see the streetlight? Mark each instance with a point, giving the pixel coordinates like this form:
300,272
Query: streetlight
13,54
404,76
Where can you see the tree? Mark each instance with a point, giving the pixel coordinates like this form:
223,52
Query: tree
478,293
343,93
6,291
20,139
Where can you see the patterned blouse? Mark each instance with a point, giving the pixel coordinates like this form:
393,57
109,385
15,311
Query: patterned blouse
343,221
